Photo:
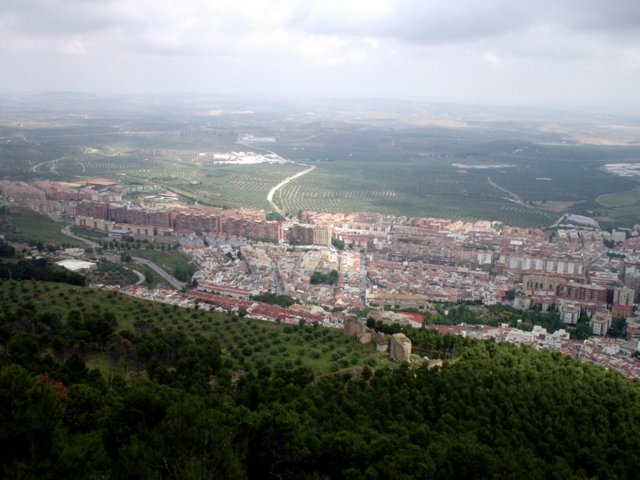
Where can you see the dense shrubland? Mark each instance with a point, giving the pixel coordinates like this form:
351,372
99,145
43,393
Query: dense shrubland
174,404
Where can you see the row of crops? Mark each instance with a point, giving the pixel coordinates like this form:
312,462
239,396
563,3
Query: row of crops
408,189
367,181
405,190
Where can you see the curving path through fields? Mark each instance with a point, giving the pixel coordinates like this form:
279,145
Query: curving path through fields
283,183
514,197
51,163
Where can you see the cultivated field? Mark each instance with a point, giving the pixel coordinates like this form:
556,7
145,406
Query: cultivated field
517,167
247,344
416,187
23,225
620,199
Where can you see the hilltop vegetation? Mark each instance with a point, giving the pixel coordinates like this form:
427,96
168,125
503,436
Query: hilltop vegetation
494,411
97,384
21,224
245,344
40,269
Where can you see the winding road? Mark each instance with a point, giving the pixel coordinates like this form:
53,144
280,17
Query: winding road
67,231
140,276
171,280
51,163
514,197
283,183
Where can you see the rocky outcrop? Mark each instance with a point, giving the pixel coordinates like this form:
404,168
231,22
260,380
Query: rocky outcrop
365,337
398,345
400,348
382,341
436,363
365,334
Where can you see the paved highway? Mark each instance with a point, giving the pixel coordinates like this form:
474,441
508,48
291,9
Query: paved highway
174,282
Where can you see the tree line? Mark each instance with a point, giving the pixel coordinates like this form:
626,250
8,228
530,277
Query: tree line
38,269
497,410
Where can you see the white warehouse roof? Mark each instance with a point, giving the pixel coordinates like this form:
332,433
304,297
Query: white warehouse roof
76,265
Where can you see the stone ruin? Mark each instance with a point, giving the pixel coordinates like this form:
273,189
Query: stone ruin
398,344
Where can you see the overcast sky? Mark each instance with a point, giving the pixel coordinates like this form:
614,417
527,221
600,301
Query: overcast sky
509,52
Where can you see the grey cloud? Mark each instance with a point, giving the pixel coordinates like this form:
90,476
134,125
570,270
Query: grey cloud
437,22
417,22
42,17
610,16
420,49
432,22
414,22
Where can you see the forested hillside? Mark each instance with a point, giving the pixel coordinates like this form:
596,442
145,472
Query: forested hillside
181,411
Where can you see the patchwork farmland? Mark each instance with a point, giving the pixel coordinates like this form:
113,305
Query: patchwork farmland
519,173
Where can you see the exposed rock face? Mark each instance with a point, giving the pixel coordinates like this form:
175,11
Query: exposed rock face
400,348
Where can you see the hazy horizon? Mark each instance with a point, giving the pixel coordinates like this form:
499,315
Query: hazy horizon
567,55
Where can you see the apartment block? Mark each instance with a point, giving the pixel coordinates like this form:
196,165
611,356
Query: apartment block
94,210
623,296
600,322
569,313
194,222
322,235
582,292
301,234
